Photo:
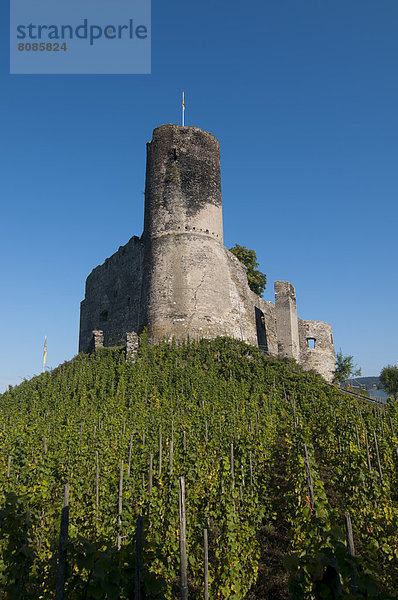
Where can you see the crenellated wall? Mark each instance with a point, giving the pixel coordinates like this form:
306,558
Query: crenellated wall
178,280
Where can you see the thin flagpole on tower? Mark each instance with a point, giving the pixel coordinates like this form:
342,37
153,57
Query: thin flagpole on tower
183,109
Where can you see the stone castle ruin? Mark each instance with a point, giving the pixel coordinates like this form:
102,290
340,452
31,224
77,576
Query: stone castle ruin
179,280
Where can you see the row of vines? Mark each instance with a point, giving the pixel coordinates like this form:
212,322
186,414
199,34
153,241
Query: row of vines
259,444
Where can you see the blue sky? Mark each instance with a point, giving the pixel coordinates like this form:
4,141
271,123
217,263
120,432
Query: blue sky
303,98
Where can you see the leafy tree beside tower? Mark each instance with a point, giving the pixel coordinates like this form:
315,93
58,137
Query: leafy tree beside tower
345,368
255,278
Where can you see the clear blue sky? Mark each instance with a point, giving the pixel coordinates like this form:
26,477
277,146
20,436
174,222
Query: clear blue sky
302,96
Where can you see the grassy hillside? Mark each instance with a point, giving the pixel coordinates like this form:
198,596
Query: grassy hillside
237,426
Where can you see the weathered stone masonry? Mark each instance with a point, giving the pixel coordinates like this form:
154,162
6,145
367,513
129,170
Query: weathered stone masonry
178,279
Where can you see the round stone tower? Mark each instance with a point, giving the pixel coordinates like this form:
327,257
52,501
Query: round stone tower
183,183
188,289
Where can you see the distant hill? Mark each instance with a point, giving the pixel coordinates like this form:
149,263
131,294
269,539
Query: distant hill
367,382
372,384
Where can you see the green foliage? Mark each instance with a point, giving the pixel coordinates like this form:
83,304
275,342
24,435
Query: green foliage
17,551
256,279
202,397
389,378
345,368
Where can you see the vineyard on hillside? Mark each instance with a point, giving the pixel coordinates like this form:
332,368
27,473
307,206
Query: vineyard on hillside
276,465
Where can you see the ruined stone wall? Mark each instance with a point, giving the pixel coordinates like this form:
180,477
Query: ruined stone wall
286,320
179,280
112,301
241,300
256,317
268,317
321,357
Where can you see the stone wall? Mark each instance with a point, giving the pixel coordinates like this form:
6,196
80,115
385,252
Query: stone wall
268,311
256,317
317,348
113,297
132,344
286,320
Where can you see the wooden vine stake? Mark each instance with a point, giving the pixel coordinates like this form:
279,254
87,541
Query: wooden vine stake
221,477
150,479
358,440
367,452
308,475
130,453
378,456
160,451
120,508
294,408
97,483
183,542
171,454
349,535
206,565
139,543
338,436
63,541
350,546
8,467
232,467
